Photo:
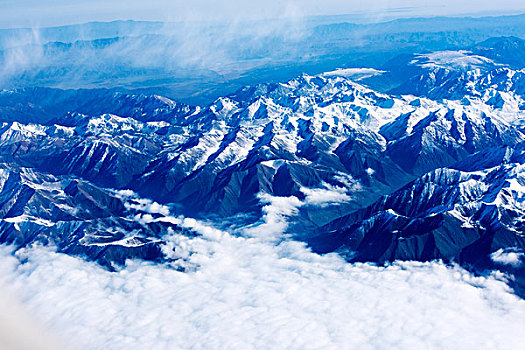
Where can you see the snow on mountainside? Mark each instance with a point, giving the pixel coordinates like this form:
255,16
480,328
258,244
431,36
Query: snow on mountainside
492,87
378,176
448,74
453,60
485,71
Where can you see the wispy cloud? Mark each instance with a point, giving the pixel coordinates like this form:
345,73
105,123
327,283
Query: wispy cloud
125,52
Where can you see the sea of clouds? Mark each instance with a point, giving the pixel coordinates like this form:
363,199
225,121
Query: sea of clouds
253,289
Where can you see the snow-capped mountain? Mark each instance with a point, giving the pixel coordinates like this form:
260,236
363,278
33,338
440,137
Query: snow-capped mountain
492,86
432,170
505,50
449,74
444,213
79,218
465,213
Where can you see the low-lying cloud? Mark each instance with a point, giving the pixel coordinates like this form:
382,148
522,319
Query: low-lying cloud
246,291
508,257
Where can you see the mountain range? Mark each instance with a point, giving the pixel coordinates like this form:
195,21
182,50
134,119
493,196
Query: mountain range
423,160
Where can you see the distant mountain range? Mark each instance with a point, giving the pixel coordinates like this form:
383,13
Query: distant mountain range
197,63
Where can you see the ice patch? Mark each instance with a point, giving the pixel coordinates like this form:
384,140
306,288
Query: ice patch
452,60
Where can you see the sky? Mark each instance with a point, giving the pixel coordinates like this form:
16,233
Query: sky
38,13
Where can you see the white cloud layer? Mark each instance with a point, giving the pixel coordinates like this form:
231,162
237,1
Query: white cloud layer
326,196
258,293
508,257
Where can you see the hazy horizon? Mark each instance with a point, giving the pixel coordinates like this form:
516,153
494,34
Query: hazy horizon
32,13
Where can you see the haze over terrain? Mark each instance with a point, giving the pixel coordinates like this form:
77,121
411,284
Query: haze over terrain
196,62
